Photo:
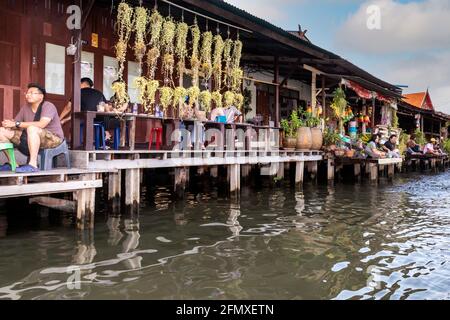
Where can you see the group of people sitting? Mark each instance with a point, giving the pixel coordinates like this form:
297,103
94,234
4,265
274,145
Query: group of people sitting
39,126
377,150
431,148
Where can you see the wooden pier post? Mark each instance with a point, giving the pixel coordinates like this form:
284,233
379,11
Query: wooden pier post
330,171
85,204
280,173
391,171
214,171
373,167
299,172
245,170
132,188
312,169
235,178
357,170
115,190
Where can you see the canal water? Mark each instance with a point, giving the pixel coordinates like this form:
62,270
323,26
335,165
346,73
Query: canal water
347,242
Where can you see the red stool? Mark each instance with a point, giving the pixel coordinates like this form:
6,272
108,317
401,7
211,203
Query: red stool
159,134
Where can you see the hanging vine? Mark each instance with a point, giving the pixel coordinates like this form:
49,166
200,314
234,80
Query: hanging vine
120,94
167,45
206,54
140,26
228,47
228,98
217,61
195,59
151,89
217,98
236,71
179,95
193,93
124,28
181,46
165,97
140,83
205,100
156,23
239,101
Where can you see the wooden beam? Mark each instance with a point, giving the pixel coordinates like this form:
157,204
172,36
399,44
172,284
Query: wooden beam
35,189
277,92
53,203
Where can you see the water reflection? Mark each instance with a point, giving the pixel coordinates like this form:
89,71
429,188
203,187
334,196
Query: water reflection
345,242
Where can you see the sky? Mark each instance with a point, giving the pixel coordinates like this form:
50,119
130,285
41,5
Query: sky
409,45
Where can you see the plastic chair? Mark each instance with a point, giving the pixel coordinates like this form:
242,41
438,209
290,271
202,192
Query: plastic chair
158,132
48,156
8,149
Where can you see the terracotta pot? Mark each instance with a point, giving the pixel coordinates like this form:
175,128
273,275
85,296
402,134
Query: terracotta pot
317,138
304,138
289,143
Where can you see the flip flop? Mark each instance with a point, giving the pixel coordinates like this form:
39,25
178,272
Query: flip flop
27,169
6,167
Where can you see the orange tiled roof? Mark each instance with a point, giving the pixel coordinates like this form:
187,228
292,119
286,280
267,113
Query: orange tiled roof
415,99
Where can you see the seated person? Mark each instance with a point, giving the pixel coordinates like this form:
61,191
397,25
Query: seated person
413,147
37,126
429,148
391,147
372,148
196,130
233,115
217,112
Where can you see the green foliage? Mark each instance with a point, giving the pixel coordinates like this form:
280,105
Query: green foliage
291,125
446,146
395,120
420,137
403,142
247,100
365,137
330,137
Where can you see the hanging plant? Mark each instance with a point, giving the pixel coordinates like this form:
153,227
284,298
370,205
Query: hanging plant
151,89
179,95
228,47
237,54
193,93
217,61
140,26
168,36
206,54
195,59
339,107
236,79
181,46
140,83
168,66
228,98
152,61
156,23
217,99
239,101
120,93
124,28
165,97
205,100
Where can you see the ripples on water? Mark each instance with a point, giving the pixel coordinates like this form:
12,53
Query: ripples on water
347,242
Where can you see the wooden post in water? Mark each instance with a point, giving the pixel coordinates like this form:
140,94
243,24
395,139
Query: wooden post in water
132,188
299,172
391,171
280,173
235,178
357,170
330,171
214,171
85,204
373,172
245,170
114,190
313,168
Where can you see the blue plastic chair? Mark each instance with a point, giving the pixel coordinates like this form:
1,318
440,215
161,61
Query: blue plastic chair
100,136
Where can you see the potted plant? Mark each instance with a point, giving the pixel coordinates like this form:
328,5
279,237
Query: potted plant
290,128
330,139
314,123
339,107
304,136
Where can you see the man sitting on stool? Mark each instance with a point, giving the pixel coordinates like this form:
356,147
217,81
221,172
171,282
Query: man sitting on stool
37,126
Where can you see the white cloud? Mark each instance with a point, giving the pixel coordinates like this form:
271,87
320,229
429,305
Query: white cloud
404,27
